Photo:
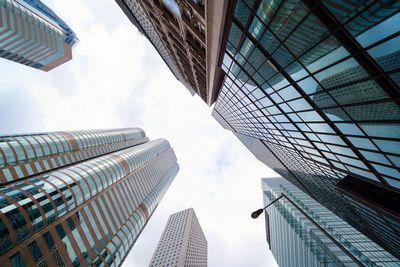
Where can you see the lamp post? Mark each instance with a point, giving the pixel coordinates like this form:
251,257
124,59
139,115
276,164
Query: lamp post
258,212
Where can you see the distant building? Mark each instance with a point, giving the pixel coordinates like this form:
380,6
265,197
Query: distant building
79,198
295,241
182,243
33,35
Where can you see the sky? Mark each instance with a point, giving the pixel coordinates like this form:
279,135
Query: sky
117,79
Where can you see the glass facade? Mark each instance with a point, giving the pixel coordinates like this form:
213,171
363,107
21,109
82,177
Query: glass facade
317,85
33,35
89,208
295,241
182,242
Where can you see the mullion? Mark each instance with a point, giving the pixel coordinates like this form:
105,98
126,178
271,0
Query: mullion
349,116
282,42
381,41
283,72
319,162
324,90
296,59
353,47
250,112
292,123
311,75
357,13
248,23
290,171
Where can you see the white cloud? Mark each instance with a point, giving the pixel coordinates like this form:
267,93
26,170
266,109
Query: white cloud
116,79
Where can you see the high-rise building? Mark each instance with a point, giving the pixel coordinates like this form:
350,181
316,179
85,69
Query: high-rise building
33,35
182,243
295,240
312,89
79,198
177,29
137,15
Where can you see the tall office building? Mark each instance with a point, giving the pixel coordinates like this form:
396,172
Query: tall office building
182,243
79,198
312,89
295,241
33,35
137,15
177,29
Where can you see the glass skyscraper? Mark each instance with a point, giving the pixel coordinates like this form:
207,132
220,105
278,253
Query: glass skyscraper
312,89
295,241
182,242
33,35
79,198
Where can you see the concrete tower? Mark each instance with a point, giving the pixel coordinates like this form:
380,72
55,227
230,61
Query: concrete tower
182,243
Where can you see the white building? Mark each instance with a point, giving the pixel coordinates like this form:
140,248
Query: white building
182,243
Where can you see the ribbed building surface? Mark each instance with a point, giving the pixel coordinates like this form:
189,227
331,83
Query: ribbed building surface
182,243
79,198
33,35
296,242
312,89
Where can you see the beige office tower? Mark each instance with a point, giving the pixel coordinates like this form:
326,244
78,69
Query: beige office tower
182,243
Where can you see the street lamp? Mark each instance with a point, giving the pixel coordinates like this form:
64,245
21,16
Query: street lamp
258,212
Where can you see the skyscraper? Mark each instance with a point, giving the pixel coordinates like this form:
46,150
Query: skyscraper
137,15
33,35
177,29
312,89
182,243
79,198
295,241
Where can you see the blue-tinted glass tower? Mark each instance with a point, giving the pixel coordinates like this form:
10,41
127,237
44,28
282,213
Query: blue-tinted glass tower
295,240
312,89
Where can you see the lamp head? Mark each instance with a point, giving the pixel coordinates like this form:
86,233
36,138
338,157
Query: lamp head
256,213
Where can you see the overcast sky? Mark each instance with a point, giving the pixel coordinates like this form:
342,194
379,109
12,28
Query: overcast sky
117,79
